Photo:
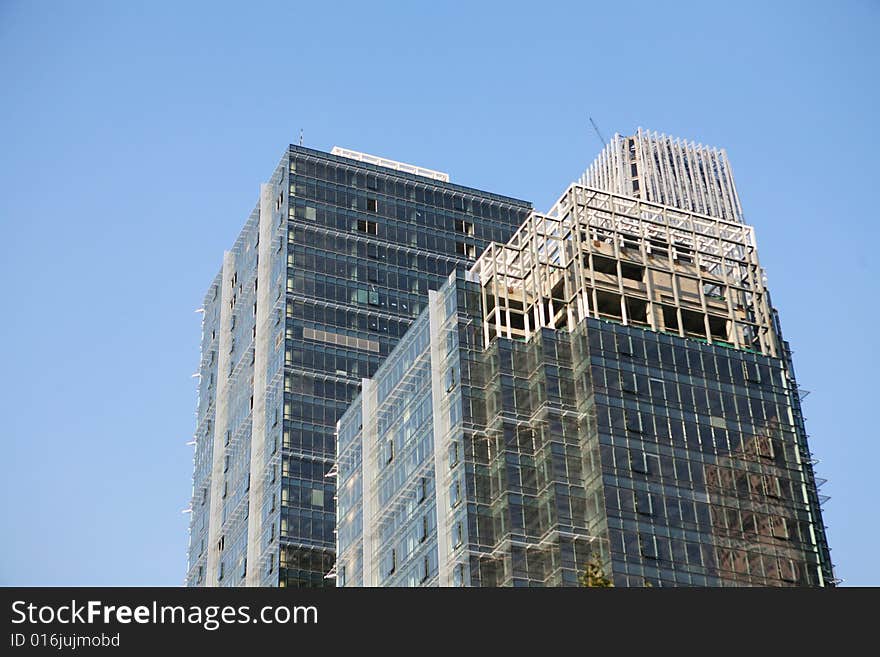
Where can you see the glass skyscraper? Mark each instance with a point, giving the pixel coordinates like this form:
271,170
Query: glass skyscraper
609,386
330,270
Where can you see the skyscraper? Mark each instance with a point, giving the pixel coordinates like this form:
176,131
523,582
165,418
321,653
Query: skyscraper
610,386
669,171
329,271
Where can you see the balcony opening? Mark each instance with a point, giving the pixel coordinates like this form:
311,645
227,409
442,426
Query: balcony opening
608,305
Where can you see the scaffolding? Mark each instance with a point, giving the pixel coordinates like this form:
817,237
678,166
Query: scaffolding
602,255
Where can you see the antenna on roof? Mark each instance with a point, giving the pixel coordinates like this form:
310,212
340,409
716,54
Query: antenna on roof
300,136
598,134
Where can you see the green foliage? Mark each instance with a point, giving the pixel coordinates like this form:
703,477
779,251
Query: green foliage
594,575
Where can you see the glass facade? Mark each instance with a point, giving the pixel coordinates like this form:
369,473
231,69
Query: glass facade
332,268
666,444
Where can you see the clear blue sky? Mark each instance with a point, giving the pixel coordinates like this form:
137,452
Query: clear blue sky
134,136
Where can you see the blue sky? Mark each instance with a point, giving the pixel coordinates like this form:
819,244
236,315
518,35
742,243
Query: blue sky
134,136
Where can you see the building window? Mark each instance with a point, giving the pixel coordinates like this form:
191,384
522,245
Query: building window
788,570
372,205
368,227
389,450
633,421
649,547
638,462
390,562
423,489
317,497
221,544
455,494
464,227
464,249
424,534
220,571
243,567
765,447
751,372
453,454
644,503
772,487
457,534
458,575
426,569
779,528
451,379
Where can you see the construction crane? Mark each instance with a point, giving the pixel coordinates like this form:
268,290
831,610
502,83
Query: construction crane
598,134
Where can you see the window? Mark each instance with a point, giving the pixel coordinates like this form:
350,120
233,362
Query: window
764,447
368,227
464,227
389,450
632,272
648,546
458,575
467,250
423,536
457,534
426,568
788,570
226,463
372,205
243,567
221,544
453,454
317,498
751,372
450,379
220,570
423,489
779,528
342,576
644,463
633,421
225,488
455,494
772,488
644,503
390,562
